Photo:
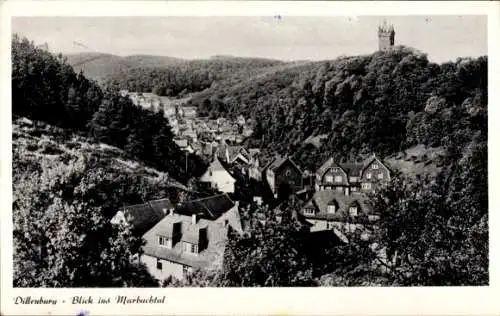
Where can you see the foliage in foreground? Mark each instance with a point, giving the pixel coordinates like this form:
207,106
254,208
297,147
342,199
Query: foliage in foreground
61,236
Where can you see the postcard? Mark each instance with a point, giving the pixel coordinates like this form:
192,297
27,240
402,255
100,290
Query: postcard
291,158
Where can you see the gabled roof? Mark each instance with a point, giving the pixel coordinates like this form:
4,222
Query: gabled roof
366,162
211,207
351,169
216,165
234,151
322,199
279,161
143,216
328,164
216,235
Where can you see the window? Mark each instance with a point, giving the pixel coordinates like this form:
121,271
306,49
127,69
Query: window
309,211
210,173
353,211
340,189
165,242
186,270
374,166
329,225
373,217
338,178
366,186
329,178
190,248
354,189
158,264
380,176
331,208
353,179
368,175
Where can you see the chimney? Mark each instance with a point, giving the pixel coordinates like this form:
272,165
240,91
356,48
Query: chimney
193,219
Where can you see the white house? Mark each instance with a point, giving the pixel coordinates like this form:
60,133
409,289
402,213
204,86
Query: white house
218,177
191,237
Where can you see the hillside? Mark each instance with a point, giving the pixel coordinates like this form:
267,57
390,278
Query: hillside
385,102
46,88
100,66
37,145
179,79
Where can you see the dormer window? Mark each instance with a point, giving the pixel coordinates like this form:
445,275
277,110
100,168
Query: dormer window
353,210
329,178
190,248
332,207
374,166
165,242
309,211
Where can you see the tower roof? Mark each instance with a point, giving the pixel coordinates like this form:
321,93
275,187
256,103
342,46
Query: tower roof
386,27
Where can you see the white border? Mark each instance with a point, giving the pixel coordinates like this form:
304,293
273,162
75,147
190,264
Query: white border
311,301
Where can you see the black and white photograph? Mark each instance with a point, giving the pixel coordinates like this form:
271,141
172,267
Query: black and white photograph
278,151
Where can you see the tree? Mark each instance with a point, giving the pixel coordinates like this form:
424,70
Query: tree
62,238
434,232
270,253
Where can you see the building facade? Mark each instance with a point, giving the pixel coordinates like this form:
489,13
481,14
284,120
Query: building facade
193,236
218,177
283,176
347,178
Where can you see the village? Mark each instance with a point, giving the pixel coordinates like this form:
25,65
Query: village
193,134
193,234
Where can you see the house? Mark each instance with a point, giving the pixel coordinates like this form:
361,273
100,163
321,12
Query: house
330,209
352,177
193,236
188,111
283,176
218,177
233,154
184,145
141,217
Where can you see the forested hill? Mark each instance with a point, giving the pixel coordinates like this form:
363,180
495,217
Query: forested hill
384,102
100,66
46,88
178,79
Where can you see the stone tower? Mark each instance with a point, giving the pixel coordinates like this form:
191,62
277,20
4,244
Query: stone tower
385,36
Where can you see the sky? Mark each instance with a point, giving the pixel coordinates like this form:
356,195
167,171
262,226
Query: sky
443,38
